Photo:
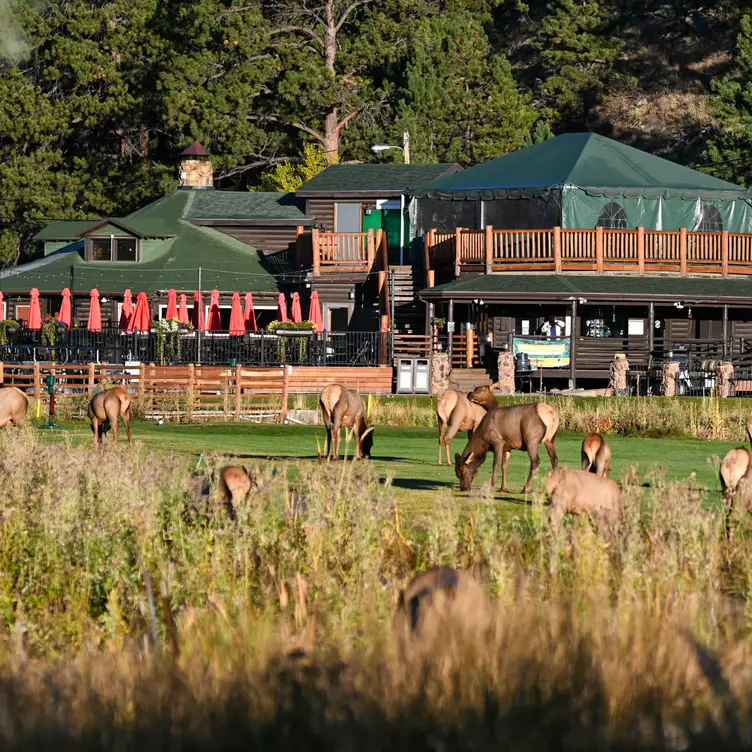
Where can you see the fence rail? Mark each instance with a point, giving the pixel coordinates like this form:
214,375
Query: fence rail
599,250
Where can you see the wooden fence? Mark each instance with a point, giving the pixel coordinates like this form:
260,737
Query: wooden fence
598,250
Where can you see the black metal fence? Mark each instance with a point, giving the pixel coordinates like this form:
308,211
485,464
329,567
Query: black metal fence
210,348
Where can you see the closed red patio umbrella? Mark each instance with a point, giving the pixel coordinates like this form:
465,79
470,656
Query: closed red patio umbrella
64,317
95,313
314,311
172,304
249,315
297,313
35,312
199,321
141,318
183,310
237,325
2,307
282,308
127,312
215,318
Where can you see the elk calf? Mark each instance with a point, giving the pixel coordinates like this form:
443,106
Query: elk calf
234,486
456,413
596,455
13,406
580,492
736,481
105,411
343,407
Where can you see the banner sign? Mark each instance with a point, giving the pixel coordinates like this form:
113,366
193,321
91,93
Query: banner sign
544,353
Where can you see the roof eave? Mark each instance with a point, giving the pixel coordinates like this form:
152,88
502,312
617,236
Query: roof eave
215,222
354,194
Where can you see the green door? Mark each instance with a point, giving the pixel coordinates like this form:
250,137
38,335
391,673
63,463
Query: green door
373,221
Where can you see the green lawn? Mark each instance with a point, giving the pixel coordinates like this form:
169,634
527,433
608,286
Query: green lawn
408,455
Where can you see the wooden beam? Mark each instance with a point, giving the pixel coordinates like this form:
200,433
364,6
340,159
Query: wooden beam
599,249
641,250
683,251
457,243
316,252
725,253
370,248
573,346
489,248
557,250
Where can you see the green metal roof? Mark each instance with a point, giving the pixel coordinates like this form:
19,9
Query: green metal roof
384,179
600,166
246,205
64,229
507,287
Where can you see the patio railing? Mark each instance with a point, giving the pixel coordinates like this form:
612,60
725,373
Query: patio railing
209,348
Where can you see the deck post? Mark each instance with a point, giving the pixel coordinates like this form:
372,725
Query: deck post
238,391
316,252
725,331
572,348
370,248
90,388
725,253
557,250
428,243
457,250
683,251
191,390
469,346
641,250
599,249
2,372
286,373
489,249
37,381
651,328
450,335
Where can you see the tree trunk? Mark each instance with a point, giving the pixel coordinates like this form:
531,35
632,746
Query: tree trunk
331,129
331,137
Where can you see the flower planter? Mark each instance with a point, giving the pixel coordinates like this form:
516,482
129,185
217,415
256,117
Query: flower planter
11,330
294,332
61,329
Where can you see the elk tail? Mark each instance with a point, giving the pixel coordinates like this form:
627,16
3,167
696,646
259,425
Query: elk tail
550,419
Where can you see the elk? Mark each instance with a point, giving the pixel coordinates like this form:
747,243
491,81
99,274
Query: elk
736,480
234,486
440,596
596,455
581,492
13,406
523,427
106,409
456,412
749,428
343,407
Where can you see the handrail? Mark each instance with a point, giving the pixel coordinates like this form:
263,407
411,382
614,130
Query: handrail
346,251
599,250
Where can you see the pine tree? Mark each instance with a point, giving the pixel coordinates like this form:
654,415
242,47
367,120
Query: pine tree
578,49
289,176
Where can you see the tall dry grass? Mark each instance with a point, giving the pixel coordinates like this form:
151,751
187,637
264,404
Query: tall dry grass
136,613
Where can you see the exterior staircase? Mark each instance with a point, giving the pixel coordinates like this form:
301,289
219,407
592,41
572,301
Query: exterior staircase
466,379
409,312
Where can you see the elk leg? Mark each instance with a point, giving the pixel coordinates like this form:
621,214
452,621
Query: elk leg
504,468
585,464
356,434
128,428
534,462
442,441
551,449
498,453
95,429
115,430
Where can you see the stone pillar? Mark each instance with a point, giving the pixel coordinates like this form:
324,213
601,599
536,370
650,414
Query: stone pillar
670,379
724,374
440,370
618,371
506,372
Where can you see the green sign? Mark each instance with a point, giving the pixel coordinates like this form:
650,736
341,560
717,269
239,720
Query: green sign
544,353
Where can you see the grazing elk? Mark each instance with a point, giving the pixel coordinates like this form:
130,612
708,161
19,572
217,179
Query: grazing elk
13,406
456,413
343,407
596,455
440,597
504,429
736,480
105,411
484,396
581,492
234,486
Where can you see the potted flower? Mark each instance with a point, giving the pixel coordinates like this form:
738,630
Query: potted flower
8,328
49,330
292,328
62,327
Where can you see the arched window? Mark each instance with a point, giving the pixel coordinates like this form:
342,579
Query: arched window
711,219
612,217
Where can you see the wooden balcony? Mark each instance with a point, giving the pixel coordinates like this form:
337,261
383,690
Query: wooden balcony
563,251
348,251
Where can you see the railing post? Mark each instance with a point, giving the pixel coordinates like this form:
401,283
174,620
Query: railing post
370,248
152,369
238,391
191,389
91,379
725,253
557,250
2,372
142,381
489,249
286,373
641,250
316,250
427,245
430,278
37,384
683,251
469,347
599,249
457,250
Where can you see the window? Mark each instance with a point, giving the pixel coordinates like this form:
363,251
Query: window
710,219
612,217
110,248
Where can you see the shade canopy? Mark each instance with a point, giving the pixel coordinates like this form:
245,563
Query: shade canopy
314,311
237,324
282,308
249,315
172,304
297,313
94,323
199,322
141,318
35,312
183,310
214,324
65,315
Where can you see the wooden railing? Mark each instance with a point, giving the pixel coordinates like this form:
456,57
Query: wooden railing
347,251
598,250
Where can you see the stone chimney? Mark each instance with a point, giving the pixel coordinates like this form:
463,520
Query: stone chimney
196,169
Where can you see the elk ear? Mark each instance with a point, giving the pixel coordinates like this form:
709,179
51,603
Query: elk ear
366,432
456,457
494,386
470,458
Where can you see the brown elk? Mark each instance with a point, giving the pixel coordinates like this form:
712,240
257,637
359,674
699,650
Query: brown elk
234,486
736,480
456,413
596,455
13,406
523,427
343,407
749,428
484,396
438,597
105,411
581,492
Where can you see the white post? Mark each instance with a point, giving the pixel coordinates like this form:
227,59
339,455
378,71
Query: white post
402,229
406,146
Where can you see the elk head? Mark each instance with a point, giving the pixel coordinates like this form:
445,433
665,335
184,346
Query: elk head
465,467
483,396
366,443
